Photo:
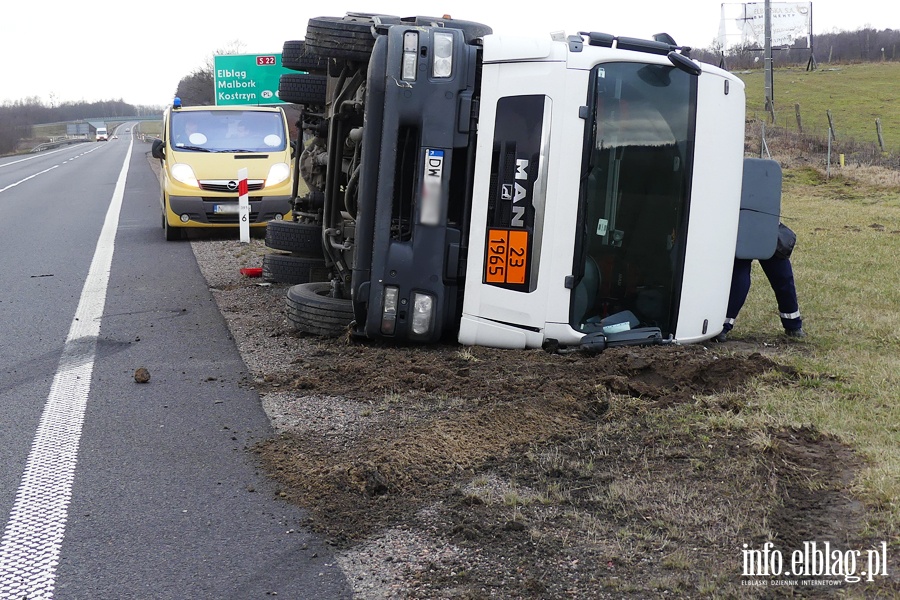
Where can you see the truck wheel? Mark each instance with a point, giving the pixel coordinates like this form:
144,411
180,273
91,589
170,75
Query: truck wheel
285,268
311,309
302,88
295,57
347,38
296,238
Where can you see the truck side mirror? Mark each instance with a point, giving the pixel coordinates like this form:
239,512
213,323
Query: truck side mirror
158,149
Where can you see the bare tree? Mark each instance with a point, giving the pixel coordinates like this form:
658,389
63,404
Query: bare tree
198,88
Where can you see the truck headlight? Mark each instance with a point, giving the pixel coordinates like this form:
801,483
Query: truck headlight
184,174
410,56
423,314
442,64
389,310
277,173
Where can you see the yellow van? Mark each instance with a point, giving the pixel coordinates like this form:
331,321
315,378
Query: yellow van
203,149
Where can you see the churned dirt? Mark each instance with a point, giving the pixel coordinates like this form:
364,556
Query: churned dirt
536,475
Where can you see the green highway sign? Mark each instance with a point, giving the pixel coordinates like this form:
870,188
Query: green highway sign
247,79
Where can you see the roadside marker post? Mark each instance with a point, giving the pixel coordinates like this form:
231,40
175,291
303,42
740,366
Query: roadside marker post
243,206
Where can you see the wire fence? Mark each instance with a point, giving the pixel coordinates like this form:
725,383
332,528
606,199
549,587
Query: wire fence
819,149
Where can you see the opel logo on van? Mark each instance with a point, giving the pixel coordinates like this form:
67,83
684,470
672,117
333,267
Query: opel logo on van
232,186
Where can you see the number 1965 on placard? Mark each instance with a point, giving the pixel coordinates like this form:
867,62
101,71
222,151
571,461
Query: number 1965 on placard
507,256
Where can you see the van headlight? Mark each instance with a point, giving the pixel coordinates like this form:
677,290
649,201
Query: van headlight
184,174
277,173
442,64
423,314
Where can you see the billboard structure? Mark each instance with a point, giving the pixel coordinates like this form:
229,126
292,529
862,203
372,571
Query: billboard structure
744,25
766,26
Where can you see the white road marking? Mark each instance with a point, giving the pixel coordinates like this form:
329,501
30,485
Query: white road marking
12,185
29,549
13,162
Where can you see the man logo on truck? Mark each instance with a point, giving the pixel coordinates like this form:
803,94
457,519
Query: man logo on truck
518,209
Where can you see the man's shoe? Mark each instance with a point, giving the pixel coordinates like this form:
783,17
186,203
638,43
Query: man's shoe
795,333
722,337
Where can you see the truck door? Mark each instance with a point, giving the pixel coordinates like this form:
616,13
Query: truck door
635,196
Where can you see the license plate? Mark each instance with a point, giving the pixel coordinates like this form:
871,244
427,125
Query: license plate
507,256
430,207
225,209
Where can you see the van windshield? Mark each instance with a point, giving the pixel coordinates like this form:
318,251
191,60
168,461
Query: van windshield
227,131
635,196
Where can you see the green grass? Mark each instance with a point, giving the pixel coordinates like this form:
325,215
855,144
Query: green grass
847,273
856,95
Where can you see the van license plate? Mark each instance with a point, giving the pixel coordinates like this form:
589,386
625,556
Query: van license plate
225,209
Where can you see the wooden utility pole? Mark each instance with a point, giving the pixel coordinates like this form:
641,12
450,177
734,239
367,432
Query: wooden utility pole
770,95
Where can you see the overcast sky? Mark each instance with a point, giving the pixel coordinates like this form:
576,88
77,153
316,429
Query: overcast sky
110,50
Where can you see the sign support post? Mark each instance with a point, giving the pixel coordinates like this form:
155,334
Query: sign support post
243,206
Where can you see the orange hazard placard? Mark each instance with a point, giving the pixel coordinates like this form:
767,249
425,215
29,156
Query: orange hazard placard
507,256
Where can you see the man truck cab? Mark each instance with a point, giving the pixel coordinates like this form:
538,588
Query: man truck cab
102,134
577,190
203,150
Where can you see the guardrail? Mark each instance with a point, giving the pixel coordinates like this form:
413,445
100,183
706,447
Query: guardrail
57,144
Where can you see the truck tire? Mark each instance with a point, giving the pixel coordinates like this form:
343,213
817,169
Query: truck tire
286,268
297,238
345,38
295,57
311,309
302,88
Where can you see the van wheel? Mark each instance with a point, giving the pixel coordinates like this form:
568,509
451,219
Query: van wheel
297,238
286,268
312,309
172,233
294,56
302,88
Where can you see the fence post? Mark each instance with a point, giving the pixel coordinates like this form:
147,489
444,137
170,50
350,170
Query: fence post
830,126
797,112
880,136
763,145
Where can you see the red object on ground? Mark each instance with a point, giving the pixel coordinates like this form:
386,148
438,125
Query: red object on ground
252,271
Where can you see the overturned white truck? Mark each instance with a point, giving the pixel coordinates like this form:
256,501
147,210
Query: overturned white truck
571,191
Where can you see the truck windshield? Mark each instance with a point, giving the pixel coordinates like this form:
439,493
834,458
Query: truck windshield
227,131
634,197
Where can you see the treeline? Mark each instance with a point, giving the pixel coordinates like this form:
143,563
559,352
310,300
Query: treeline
16,118
863,45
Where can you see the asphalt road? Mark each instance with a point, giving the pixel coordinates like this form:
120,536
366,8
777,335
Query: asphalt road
109,488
